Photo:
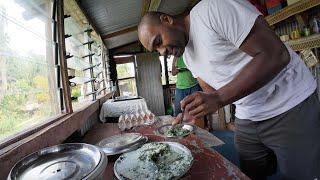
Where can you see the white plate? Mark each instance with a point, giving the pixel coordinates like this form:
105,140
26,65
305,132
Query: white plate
128,162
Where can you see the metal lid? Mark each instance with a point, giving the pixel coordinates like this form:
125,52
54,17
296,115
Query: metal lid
122,143
65,161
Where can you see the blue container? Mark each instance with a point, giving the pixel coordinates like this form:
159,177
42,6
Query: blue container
274,9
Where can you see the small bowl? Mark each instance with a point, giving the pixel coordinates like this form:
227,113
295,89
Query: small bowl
162,129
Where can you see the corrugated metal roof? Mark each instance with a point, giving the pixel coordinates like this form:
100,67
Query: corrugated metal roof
109,16
112,15
173,7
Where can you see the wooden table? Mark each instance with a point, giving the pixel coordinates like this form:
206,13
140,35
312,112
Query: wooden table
208,164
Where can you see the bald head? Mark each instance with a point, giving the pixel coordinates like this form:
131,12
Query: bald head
151,18
149,23
161,32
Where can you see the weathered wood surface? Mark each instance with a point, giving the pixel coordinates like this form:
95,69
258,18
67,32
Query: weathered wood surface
208,164
52,134
149,81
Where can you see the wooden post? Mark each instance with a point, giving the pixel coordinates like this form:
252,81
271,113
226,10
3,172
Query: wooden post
145,7
62,57
222,118
166,73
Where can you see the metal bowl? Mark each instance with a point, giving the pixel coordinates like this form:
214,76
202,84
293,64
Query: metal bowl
162,129
65,161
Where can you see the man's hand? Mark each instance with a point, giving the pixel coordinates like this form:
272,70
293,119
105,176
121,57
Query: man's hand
184,118
200,104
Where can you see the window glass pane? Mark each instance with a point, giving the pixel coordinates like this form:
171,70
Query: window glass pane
125,70
86,69
128,87
79,63
28,89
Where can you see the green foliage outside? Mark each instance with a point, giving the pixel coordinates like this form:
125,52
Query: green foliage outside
25,96
123,70
128,86
76,92
26,99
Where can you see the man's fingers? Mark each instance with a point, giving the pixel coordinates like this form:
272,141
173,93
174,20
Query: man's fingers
200,115
177,120
192,105
197,110
187,100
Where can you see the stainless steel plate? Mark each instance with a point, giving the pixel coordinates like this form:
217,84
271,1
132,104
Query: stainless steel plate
162,129
130,161
132,147
65,161
121,143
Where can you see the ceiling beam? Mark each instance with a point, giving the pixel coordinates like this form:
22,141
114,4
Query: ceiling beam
154,5
149,5
145,7
117,33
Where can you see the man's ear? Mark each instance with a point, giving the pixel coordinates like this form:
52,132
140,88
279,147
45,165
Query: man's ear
166,19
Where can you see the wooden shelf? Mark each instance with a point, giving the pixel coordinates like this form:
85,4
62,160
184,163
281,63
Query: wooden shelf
291,10
310,42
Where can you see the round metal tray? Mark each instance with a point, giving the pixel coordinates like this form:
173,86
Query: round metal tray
135,146
121,143
162,129
173,145
65,161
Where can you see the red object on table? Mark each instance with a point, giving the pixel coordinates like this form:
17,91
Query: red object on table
208,164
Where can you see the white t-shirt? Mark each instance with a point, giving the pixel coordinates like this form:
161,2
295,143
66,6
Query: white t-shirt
217,30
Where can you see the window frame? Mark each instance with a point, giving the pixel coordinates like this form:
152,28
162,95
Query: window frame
63,86
49,120
130,77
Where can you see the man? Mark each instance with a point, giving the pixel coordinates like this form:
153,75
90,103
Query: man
186,84
233,52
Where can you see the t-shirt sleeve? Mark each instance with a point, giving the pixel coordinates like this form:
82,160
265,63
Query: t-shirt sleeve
232,19
188,66
194,75
180,63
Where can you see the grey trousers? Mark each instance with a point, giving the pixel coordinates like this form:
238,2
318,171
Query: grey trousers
290,141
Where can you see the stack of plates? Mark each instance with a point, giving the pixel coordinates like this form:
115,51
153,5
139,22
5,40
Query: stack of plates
122,143
65,161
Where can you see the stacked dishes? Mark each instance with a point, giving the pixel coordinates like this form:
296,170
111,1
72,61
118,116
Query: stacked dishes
122,143
65,161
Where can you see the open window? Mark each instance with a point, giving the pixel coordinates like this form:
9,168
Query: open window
29,93
127,79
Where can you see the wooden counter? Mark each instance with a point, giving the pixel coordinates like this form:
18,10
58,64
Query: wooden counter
208,164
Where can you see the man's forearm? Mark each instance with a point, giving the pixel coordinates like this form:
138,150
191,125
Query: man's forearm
205,87
174,67
253,76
